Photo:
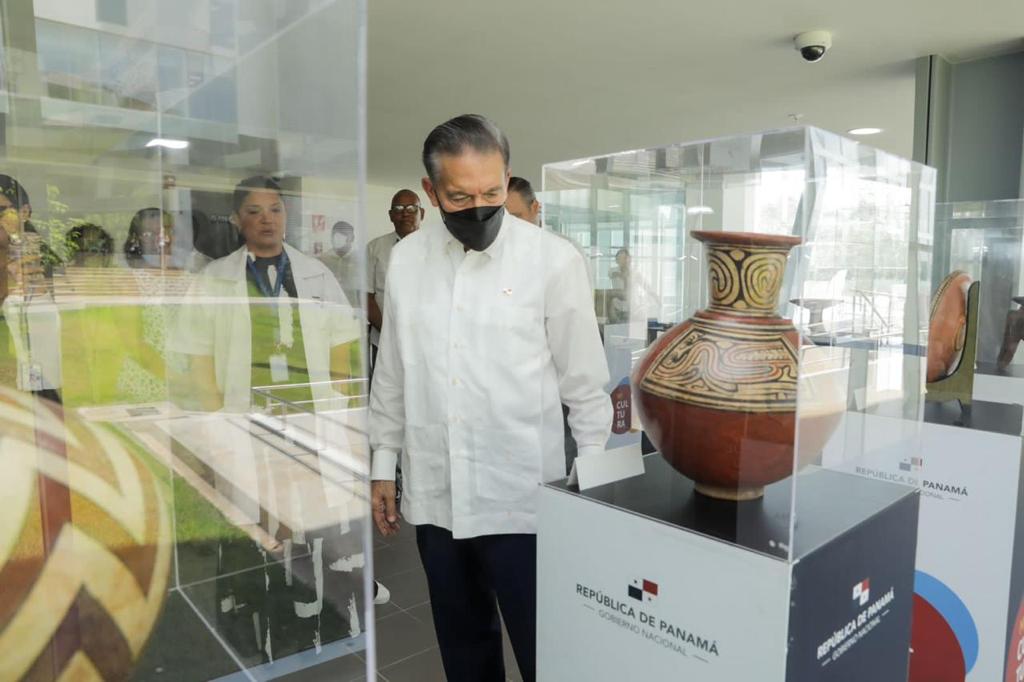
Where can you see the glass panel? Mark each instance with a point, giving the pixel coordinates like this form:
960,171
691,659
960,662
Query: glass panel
182,386
987,242
112,11
755,292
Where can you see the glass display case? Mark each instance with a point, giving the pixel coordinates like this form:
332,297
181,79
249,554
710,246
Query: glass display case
770,284
165,166
987,242
771,293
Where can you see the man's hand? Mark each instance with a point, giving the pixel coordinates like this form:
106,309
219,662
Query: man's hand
373,311
385,509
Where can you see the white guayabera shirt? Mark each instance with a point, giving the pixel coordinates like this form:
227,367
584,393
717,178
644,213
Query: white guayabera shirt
378,255
478,352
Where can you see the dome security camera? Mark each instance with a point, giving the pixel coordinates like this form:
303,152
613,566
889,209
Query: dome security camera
812,45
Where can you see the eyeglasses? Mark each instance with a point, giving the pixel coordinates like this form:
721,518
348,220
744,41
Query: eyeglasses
408,208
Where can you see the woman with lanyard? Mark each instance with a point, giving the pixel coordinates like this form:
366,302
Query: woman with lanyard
268,315
265,315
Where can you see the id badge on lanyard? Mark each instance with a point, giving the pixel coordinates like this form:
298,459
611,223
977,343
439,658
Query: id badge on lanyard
31,378
285,333
285,337
279,368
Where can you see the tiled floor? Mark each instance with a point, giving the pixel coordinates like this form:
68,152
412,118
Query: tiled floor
406,644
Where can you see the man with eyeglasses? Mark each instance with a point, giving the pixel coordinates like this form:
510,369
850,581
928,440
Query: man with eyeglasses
405,214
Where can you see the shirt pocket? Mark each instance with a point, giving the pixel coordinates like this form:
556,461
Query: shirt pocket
512,333
426,465
505,469
423,335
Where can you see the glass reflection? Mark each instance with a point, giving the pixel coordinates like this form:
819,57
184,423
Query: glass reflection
181,381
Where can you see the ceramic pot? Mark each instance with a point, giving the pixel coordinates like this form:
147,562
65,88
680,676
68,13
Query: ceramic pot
717,393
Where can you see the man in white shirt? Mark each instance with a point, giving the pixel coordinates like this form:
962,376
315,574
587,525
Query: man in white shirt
522,200
405,214
522,203
488,327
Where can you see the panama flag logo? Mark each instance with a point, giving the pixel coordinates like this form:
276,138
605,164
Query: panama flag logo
912,464
643,590
862,592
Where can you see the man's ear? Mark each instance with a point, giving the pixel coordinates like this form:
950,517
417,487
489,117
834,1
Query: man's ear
428,187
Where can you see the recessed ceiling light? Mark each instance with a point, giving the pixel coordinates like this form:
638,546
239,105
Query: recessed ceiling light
864,131
167,143
700,210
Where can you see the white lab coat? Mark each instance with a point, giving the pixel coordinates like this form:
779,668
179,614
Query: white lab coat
215,321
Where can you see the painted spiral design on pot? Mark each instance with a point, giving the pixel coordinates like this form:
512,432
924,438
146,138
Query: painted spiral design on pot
762,277
745,279
723,278
727,367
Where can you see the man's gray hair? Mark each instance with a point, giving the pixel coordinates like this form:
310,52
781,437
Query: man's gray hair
452,137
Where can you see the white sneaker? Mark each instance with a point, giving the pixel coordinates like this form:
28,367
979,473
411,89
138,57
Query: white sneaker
382,595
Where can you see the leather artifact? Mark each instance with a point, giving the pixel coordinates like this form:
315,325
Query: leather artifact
947,327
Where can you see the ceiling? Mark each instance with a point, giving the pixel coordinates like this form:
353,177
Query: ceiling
572,78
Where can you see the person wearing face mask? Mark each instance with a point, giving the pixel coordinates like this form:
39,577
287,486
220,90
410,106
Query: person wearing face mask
405,214
341,259
488,327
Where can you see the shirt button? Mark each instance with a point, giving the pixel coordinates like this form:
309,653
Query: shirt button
455,382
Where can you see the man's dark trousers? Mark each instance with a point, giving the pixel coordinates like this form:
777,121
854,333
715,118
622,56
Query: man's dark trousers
469,580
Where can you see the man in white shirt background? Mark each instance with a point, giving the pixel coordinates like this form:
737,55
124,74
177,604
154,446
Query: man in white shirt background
405,214
488,326
522,203
522,200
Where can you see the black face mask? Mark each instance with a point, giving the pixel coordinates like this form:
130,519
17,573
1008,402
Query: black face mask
476,228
